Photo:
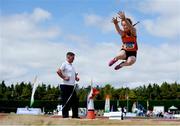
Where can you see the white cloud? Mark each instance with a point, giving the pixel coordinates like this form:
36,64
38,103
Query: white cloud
40,14
165,7
103,23
10,71
166,18
27,26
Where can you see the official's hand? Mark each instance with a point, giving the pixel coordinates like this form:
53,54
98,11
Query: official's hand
77,79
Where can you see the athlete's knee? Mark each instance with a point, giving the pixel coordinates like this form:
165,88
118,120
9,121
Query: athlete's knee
121,56
131,61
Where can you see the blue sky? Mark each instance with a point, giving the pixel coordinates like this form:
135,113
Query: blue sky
69,14
49,28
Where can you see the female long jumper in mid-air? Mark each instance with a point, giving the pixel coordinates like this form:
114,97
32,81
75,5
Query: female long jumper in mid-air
129,48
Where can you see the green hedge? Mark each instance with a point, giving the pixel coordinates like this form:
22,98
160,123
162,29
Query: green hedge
12,105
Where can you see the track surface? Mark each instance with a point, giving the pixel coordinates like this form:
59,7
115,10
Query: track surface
30,120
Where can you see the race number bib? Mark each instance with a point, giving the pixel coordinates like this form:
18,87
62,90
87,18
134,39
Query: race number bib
129,45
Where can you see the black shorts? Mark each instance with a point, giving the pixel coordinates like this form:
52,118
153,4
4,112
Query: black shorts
130,53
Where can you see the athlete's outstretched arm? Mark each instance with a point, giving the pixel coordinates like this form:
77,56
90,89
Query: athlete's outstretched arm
123,18
115,21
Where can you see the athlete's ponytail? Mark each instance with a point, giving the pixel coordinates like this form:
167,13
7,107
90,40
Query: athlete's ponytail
136,23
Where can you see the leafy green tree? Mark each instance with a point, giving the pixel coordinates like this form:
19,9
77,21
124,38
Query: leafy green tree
149,91
155,95
52,93
174,90
18,91
2,89
26,92
132,95
40,92
117,94
165,91
108,90
141,92
23,91
82,94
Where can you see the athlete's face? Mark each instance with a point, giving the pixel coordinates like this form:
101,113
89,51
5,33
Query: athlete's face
124,25
70,58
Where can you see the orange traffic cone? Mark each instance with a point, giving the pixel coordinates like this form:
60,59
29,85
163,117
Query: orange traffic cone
90,103
90,112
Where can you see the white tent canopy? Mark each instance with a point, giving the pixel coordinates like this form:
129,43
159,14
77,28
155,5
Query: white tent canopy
173,108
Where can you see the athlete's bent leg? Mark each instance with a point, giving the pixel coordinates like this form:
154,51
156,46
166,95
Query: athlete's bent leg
121,55
131,60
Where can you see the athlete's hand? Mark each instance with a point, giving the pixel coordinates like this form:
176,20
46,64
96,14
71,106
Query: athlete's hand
121,15
115,21
66,78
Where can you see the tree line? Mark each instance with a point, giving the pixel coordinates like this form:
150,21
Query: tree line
23,90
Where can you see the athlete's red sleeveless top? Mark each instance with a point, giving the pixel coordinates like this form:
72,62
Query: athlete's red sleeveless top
129,43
